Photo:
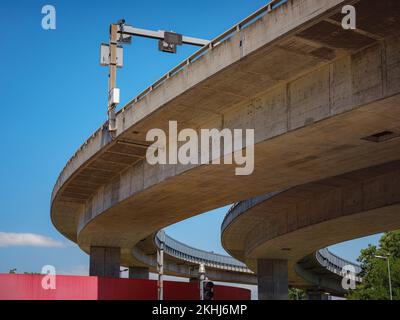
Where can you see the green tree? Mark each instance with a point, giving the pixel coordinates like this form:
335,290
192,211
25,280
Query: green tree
14,271
297,294
375,284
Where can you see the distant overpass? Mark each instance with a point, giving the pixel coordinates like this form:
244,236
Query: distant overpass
183,260
323,102
289,226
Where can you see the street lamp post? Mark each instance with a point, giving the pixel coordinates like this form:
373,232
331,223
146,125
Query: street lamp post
202,277
111,55
388,267
160,269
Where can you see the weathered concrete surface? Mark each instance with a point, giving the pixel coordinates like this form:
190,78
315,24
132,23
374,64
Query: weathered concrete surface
303,219
138,273
272,276
310,95
105,262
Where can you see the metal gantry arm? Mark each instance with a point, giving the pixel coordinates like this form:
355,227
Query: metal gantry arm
160,35
112,56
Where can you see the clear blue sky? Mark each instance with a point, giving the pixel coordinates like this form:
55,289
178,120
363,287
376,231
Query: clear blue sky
53,94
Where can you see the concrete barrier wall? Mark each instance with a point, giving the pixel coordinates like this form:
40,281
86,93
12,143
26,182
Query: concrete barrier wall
29,287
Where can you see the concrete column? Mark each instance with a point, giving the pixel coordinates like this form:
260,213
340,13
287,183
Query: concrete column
139,273
272,278
105,262
317,295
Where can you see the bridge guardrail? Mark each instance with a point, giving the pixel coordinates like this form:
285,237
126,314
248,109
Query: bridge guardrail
184,252
335,264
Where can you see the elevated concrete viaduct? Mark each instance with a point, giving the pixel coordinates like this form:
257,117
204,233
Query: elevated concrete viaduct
279,231
323,102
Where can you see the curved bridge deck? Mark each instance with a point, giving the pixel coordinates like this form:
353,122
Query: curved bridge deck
313,92
294,224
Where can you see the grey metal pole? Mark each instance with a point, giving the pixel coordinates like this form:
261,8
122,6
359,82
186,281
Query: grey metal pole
112,77
120,34
390,280
160,265
202,273
389,275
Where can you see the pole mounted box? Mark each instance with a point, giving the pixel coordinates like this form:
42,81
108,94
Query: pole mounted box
105,56
173,38
170,42
111,55
113,97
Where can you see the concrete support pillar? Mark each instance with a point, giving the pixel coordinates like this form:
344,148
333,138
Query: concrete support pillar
139,273
317,295
105,262
272,278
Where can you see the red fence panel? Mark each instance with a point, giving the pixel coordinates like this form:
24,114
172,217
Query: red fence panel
127,289
181,290
231,293
29,287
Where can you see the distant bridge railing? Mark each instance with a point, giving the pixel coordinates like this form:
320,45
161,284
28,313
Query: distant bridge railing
187,253
335,264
